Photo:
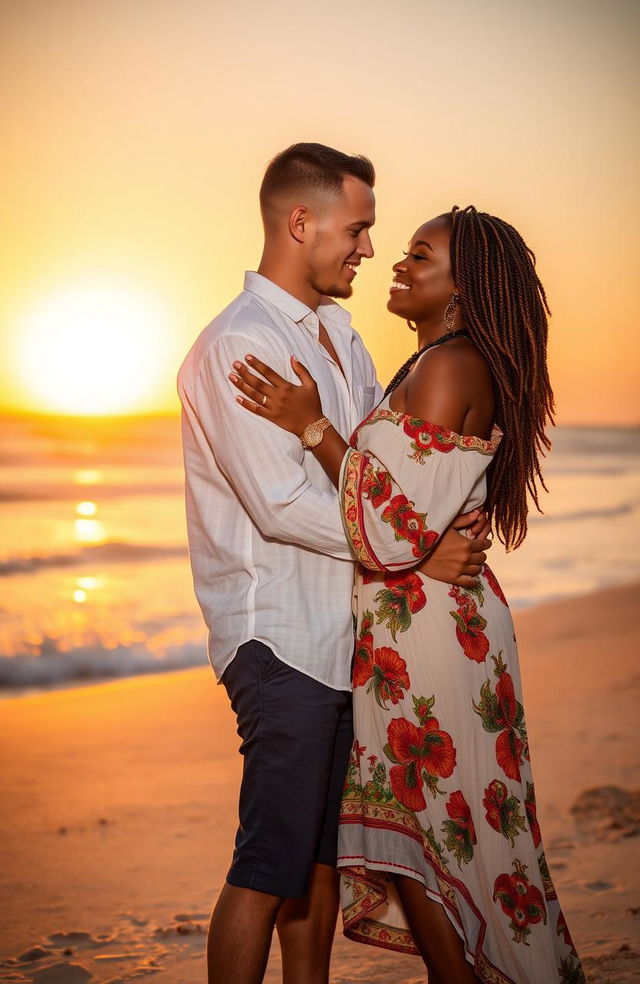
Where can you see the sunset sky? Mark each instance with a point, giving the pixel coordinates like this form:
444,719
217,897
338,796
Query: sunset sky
136,132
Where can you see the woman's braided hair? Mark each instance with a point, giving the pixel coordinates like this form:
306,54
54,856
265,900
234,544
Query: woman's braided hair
505,309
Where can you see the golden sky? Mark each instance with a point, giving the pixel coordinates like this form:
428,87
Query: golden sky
136,132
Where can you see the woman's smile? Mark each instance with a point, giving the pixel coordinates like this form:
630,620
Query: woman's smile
398,285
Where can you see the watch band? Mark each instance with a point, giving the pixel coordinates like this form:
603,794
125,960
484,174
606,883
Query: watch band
312,434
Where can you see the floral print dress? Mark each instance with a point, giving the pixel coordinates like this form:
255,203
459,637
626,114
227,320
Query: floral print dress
439,786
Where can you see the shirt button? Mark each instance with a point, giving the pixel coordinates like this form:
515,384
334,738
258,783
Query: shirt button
310,321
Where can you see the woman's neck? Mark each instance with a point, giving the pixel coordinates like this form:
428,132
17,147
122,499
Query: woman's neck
428,331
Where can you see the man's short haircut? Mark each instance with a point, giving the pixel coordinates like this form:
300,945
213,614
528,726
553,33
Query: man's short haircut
312,167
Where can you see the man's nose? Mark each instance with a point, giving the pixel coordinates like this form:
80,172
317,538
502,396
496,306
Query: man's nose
366,249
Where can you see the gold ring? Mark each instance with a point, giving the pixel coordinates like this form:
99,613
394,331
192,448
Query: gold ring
264,400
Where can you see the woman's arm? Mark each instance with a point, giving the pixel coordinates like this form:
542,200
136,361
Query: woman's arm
289,406
455,558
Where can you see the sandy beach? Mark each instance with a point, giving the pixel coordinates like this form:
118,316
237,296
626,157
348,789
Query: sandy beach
119,810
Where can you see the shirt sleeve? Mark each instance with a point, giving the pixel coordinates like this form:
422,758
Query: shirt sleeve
263,463
403,485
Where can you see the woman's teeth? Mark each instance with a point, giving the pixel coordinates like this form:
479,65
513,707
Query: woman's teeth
396,285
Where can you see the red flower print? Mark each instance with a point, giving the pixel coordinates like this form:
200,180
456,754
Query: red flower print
421,754
376,486
507,698
519,900
502,712
458,810
388,676
460,831
509,753
492,581
503,811
469,626
401,597
363,656
409,525
440,755
532,816
563,930
426,437
358,749
406,784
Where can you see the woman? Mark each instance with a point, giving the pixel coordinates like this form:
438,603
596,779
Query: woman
440,850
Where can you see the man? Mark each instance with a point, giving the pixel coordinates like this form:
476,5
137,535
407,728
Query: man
272,569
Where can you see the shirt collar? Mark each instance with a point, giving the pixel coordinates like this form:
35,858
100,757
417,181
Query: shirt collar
295,309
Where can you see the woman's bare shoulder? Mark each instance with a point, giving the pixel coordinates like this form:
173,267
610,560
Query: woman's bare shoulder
446,382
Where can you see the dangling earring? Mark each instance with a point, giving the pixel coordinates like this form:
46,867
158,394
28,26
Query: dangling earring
412,326
450,312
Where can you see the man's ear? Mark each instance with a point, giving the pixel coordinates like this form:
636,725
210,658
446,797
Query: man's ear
298,218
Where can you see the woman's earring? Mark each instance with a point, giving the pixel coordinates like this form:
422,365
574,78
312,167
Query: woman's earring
450,312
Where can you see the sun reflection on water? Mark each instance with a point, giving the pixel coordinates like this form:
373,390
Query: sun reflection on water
87,476
88,583
86,508
89,531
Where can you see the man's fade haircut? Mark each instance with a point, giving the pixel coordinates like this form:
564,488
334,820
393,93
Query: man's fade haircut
312,167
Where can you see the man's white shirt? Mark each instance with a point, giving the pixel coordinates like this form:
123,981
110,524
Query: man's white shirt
268,552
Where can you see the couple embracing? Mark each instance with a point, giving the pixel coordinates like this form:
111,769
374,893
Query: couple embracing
386,772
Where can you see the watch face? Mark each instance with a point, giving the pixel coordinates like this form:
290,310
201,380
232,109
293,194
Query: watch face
314,436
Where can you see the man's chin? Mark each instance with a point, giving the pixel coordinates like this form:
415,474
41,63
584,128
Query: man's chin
338,290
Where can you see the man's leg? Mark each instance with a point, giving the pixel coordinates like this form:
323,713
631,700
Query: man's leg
288,724
240,935
306,927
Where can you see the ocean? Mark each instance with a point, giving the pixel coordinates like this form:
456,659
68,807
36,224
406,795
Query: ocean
94,572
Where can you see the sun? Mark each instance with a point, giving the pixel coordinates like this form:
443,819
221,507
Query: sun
100,348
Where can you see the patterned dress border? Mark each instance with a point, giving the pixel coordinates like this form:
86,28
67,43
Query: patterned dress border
370,894
354,467
461,441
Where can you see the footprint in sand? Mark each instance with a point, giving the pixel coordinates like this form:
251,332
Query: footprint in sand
76,938
33,953
61,973
607,813
599,886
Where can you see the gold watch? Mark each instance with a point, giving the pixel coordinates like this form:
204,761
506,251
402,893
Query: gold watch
312,434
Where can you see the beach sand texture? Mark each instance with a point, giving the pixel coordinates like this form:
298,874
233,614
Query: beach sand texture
119,811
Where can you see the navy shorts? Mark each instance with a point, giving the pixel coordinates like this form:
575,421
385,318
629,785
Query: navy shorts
296,738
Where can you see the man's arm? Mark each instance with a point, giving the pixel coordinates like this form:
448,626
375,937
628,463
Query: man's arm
263,463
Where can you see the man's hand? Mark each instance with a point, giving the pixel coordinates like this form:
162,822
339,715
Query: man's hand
458,558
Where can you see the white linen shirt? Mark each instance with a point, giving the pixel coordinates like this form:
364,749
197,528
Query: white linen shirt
268,551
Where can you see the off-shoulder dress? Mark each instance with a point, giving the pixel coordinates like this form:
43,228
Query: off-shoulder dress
439,786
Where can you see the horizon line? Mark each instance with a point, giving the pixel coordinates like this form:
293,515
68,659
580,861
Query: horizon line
20,414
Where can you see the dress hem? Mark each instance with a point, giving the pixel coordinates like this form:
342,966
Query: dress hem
381,935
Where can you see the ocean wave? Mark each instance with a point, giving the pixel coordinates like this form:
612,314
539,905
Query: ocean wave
50,666
69,492
113,552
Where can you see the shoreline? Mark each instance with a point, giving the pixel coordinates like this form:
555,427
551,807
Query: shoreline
121,811
22,692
